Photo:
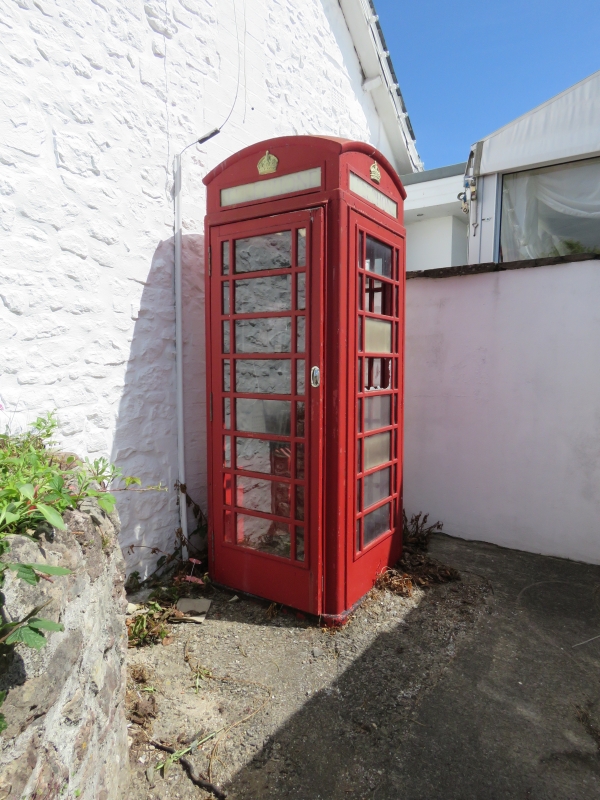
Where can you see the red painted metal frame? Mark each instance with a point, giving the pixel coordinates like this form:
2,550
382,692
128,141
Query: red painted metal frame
335,575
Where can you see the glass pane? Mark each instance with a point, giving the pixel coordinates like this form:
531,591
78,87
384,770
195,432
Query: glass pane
552,211
260,455
378,336
359,415
301,246
377,449
358,495
359,455
301,293
264,535
261,495
227,481
378,373
379,297
263,335
227,452
227,412
360,292
225,257
300,334
376,523
300,419
300,376
263,376
299,543
226,297
377,486
228,528
360,250
360,336
263,416
357,535
360,374
254,295
226,376
269,251
226,337
300,461
379,257
300,502
378,412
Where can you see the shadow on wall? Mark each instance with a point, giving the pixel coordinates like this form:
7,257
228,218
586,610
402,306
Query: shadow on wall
145,442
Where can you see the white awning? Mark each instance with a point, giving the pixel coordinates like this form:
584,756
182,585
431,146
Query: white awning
564,128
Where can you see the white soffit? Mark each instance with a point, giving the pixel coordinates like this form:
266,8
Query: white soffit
565,127
381,83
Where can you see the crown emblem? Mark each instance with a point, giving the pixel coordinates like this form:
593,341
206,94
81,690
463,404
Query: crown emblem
267,164
375,173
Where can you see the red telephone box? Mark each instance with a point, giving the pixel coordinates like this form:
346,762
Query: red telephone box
305,339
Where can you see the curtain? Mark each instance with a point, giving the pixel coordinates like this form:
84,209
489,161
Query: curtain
551,211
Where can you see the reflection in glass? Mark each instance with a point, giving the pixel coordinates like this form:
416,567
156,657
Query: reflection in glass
300,419
264,535
227,481
300,334
263,335
255,295
377,449
300,461
263,416
379,257
378,412
300,376
226,412
226,375
377,486
301,293
357,535
378,336
299,543
360,292
360,336
359,415
376,523
359,455
358,495
360,249
269,251
359,383
227,452
300,502
258,494
260,455
301,247
226,297
226,336
225,257
263,375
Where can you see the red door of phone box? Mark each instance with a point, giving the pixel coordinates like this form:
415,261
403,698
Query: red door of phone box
305,247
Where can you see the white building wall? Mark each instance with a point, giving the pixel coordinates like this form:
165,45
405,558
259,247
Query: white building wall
502,433
97,97
436,243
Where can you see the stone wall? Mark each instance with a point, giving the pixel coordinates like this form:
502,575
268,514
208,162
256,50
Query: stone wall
97,97
65,706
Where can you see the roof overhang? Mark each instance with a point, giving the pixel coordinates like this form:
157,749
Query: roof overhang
380,81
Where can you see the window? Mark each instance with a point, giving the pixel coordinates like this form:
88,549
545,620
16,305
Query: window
553,211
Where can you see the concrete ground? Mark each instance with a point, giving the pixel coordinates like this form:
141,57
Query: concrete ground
468,690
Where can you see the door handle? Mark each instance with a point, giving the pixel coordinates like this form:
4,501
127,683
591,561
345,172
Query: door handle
315,377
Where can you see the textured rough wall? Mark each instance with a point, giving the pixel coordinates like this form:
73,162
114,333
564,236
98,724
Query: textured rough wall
65,707
98,96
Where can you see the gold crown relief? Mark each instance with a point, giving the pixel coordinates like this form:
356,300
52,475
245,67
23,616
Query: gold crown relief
267,164
375,173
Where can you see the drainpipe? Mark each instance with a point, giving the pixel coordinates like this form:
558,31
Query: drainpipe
179,341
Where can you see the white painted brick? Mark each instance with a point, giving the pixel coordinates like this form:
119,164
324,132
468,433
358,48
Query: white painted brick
97,99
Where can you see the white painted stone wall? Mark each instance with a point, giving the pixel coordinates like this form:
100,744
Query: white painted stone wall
97,97
502,418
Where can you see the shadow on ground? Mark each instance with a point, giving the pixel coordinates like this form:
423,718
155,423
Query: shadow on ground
502,706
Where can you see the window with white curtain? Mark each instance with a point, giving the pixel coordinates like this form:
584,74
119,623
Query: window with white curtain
552,211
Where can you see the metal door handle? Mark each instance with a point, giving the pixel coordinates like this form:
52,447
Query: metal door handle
315,377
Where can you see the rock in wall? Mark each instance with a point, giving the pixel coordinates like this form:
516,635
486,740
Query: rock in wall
65,706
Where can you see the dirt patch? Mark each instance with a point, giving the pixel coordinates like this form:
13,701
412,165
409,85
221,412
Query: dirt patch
261,687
